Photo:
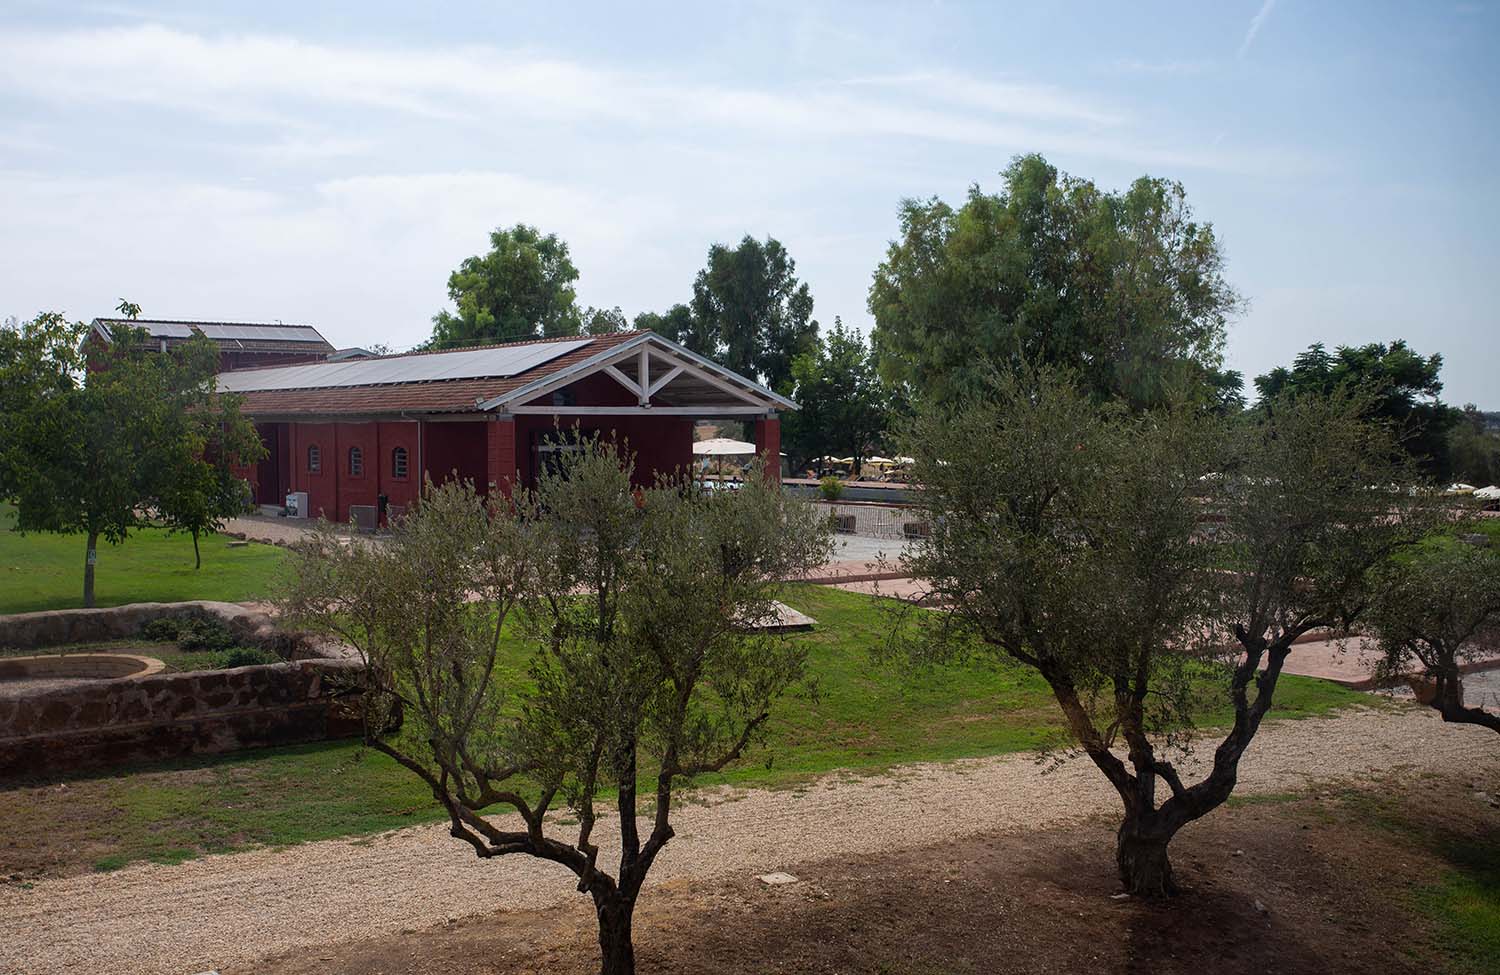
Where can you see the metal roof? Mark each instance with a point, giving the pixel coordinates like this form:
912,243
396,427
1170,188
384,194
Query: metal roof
494,362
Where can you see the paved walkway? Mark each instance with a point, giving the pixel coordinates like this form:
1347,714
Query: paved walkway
224,912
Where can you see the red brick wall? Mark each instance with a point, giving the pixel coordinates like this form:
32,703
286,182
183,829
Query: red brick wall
768,445
456,446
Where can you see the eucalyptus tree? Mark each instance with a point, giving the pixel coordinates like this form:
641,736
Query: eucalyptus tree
569,646
1140,560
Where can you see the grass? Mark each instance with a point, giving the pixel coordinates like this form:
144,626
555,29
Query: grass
866,718
43,571
1465,905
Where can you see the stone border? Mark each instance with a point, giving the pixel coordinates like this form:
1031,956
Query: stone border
252,627
310,696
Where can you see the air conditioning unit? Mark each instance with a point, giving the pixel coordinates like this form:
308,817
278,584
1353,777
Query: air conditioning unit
296,505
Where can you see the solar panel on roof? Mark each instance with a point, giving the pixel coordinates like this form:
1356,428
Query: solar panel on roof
165,330
283,333
460,364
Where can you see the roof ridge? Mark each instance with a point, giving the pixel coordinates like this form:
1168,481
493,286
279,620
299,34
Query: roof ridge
202,321
631,333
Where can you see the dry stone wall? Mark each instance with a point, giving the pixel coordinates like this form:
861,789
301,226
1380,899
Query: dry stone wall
160,716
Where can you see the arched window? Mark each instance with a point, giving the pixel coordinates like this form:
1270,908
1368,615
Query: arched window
398,463
314,459
356,462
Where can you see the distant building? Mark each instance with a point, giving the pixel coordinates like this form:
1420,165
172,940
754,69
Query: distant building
363,432
241,345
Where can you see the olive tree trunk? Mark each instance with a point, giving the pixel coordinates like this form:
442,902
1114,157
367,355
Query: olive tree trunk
616,949
1141,854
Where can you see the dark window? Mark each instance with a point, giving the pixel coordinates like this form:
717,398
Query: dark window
398,463
314,459
356,462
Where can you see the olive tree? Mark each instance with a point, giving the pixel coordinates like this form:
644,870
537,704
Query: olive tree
1140,560
1436,611
567,647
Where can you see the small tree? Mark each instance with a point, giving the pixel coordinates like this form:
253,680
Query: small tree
1436,610
632,611
1117,553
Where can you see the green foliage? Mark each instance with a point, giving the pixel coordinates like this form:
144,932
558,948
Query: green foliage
247,657
1400,385
759,316
604,321
163,630
521,289
1124,288
678,325
204,633
844,406
1436,610
1473,449
143,431
831,488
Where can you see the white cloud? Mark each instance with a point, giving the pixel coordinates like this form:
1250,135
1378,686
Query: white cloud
1256,23
287,83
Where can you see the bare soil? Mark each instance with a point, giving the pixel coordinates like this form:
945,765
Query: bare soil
979,865
1312,885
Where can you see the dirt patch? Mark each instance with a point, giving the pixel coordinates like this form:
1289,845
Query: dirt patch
1309,885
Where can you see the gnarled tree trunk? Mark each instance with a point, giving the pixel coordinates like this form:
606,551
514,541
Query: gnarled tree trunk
1141,854
616,949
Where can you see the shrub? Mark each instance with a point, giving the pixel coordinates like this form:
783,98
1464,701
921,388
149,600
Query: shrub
247,657
204,634
832,488
164,630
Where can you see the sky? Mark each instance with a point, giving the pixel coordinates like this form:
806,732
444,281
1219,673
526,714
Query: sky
332,163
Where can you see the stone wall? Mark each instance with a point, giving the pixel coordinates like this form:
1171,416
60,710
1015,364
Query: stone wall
160,716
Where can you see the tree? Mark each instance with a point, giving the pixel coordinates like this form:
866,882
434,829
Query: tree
604,321
1473,450
748,303
844,409
1124,288
1091,544
204,489
97,452
634,610
1401,385
1436,610
679,326
521,289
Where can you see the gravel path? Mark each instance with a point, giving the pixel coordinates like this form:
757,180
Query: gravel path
229,910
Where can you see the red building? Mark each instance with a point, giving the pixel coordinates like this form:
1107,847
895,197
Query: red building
349,432
241,344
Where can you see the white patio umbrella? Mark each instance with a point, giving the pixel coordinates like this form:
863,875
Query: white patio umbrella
721,447
1491,493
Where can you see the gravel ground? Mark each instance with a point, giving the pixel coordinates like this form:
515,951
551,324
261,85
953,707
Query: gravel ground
234,909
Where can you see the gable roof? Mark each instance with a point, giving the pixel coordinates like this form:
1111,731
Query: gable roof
507,377
230,336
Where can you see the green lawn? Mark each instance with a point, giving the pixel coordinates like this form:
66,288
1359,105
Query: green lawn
43,571
866,717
